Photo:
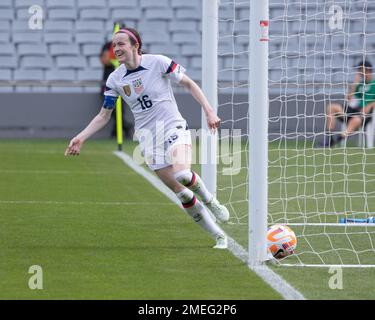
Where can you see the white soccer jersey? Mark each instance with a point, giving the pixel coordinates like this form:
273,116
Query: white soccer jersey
148,92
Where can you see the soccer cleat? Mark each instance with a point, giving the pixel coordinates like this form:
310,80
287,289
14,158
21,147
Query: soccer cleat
218,210
221,242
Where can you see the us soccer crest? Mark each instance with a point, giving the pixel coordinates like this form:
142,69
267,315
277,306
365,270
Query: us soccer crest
127,90
138,85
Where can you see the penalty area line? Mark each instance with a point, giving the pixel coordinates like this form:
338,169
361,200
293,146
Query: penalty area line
274,280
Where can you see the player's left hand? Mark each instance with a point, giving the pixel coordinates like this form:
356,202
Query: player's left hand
213,121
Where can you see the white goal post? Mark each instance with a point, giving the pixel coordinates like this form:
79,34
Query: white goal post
277,93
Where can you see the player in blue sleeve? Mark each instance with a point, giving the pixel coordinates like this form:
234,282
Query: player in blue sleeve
144,82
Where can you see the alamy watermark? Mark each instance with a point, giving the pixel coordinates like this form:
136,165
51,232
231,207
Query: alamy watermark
160,146
336,280
335,20
36,19
36,280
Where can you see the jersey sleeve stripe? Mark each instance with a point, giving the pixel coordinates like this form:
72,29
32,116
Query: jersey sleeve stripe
171,67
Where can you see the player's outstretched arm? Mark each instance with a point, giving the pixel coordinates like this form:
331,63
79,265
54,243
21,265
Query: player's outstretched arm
100,120
213,120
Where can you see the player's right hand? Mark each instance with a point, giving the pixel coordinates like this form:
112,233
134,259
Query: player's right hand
74,147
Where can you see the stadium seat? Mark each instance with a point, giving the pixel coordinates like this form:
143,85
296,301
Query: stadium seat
243,76
67,89
58,25
196,75
6,14
71,62
191,50
4,37
186,4
242,40
184,38
275,75
5,75
154,4
28,75
7,49
32,49
115,4
94,62
69,49
90,37
6,4
22,14
156,38
91,49
91,14
151,26
94,89
27,37
8,62
60,75
36,62
58,4
184,26
89,26
158,14
4,26
90,75
91,4
239,62
57,37
27,3
196,62
225,13
226,75
62,14
244,14
20,25
123,15
168,50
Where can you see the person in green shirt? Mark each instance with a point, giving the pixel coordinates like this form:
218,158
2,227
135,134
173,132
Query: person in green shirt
357,108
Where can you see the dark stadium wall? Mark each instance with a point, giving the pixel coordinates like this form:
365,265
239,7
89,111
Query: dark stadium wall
61,115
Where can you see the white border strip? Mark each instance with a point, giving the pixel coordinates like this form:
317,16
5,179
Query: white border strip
269,276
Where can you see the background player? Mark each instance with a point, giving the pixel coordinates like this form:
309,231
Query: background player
357,108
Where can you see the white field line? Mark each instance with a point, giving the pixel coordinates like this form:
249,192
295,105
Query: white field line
85,203
269,276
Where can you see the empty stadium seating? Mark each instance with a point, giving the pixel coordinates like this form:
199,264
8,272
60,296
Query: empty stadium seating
74,31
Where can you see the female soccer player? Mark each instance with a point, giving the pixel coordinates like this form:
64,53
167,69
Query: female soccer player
143,81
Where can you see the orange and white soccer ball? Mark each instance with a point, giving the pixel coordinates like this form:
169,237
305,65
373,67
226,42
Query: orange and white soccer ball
281,241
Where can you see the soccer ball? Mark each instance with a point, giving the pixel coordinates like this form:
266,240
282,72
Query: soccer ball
281,241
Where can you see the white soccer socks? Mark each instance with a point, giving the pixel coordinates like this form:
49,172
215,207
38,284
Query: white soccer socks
199,213
194,182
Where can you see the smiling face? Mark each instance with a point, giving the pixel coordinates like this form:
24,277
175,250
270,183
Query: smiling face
123,48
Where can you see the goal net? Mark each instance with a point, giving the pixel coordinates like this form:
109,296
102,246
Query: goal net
314,46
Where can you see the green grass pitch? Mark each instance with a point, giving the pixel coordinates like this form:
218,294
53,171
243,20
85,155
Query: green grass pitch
99,231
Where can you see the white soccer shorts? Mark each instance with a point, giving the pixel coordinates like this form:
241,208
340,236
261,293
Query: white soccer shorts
159,156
